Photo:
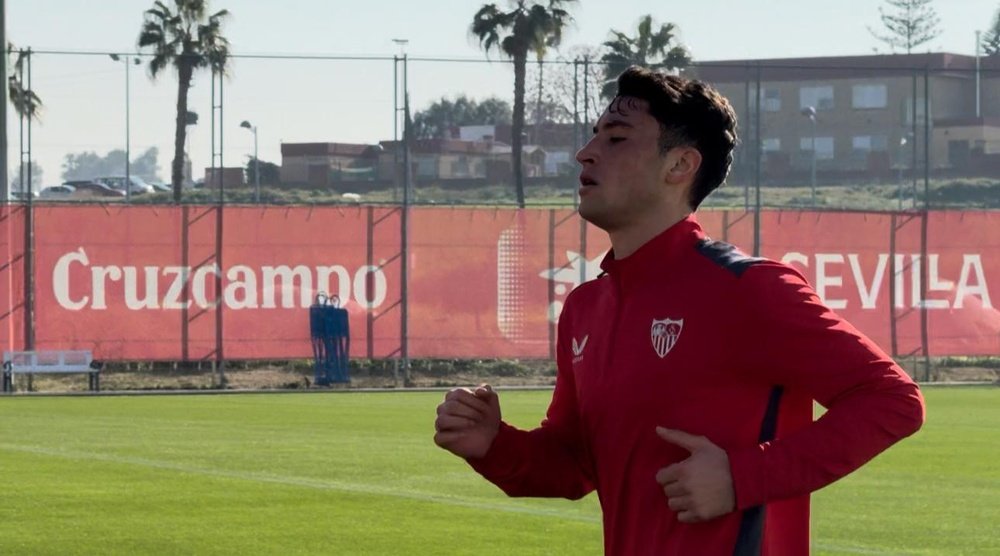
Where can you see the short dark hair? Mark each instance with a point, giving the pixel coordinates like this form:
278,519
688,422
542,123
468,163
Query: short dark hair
691,113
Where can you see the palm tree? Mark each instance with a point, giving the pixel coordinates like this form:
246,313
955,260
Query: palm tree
26,103
185,39
653,50
528,27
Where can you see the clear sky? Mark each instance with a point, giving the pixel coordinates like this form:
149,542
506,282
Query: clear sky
352,100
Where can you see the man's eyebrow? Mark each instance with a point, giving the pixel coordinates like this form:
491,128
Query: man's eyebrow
613,124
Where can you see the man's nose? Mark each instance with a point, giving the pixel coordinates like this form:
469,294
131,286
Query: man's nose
586,153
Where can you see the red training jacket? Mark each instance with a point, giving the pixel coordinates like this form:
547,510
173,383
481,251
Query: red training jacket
691,334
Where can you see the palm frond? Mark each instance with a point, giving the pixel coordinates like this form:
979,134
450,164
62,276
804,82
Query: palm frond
26,103
661,39
158,63
486,26
191,10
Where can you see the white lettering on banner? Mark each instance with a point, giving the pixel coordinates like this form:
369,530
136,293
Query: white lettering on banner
60,280
199,285
152,298
323,274
287,275
173,298
241,278
98,275
824,280
361,292
870,294
246,288
971,282
972,264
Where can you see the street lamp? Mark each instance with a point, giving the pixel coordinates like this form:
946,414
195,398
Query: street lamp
128,60
256,161
810,112
899,190
979,87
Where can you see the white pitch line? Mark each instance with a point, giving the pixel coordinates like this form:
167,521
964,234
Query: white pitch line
359,488
841,549
354,488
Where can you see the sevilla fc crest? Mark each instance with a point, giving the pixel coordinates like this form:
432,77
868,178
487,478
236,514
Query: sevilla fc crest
664,334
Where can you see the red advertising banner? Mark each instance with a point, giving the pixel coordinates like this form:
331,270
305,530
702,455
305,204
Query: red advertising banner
140,282
12,267
876,271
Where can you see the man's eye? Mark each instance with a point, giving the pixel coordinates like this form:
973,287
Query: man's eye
616,139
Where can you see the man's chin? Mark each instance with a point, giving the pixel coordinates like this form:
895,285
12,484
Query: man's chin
595,217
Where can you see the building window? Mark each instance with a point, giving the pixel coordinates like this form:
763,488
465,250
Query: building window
907,107
870,96
820,98
824,147
869,143
772,145
770,100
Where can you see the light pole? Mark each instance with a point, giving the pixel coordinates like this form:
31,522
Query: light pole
899,192
128,60
810,112
256,161
979,111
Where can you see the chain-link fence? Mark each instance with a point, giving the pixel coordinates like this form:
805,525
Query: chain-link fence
868,132
326,170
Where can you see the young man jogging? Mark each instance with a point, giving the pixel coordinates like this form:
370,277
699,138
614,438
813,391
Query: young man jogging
687,372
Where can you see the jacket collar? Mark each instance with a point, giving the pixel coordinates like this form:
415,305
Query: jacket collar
657,253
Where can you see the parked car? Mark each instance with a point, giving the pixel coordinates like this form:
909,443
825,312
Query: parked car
136,184
57,192
88,188
18,195
161,187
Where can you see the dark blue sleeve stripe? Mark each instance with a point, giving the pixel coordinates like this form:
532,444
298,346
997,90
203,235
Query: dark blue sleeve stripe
751,534
727,256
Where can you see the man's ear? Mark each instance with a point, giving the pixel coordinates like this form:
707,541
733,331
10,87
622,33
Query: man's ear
683,164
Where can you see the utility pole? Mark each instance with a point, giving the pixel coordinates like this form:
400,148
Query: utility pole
4,186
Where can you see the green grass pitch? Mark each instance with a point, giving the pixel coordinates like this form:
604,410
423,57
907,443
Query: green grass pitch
358,473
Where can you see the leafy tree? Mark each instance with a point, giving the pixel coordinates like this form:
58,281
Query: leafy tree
186,39
146,165
436,120
991,41
908,24
88,165
657,50
527,27
270,173
36,179
558,90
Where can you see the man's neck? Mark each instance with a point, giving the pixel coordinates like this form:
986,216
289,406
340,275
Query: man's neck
628,240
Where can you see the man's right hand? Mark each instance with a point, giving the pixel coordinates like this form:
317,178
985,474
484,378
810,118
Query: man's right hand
468,421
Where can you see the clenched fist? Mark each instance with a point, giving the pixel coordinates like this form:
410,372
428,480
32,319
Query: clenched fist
468,421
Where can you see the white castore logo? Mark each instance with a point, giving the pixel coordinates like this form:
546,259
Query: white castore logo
578,348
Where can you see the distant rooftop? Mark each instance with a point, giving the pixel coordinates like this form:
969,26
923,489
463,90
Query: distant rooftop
843,67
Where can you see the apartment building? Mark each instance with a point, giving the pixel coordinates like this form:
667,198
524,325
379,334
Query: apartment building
865,117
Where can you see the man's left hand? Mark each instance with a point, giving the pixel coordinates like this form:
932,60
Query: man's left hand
699,488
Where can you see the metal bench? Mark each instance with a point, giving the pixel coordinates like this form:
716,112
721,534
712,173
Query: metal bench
50,362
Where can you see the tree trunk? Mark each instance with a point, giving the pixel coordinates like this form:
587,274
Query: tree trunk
177,167
517,126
